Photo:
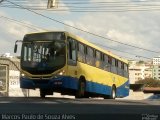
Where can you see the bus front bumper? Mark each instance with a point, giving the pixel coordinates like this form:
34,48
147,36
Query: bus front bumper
27,83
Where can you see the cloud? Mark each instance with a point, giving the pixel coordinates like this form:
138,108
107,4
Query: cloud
140,29
10,32
136,28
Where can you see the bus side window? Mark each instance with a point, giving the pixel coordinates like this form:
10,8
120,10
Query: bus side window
90,56
120,70
72,51
109,60
107,66
81,53
113,66
126,70
98,58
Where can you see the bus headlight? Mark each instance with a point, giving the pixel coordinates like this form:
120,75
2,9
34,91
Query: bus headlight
22,74
61,73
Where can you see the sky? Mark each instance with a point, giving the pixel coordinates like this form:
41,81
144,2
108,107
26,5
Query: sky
133,22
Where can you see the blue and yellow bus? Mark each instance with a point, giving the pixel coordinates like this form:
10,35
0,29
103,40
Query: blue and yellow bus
62,62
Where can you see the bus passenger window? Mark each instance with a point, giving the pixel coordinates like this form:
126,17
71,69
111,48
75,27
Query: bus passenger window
98,59
81,53
109,60
71,49
126,70
122,66
119,64
113,66
113,62
106,65
90,56
120,70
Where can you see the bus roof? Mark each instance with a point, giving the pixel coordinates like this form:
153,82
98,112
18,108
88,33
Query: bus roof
89,44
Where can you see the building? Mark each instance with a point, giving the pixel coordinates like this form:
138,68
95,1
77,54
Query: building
139,71
9,76
156,60
156,68
156,72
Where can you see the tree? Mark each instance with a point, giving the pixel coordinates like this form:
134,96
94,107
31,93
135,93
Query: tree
141,62
149,82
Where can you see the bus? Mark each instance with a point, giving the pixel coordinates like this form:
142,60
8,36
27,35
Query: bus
59,61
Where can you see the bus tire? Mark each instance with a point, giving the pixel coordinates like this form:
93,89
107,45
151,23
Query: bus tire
113,93
80,93
42,93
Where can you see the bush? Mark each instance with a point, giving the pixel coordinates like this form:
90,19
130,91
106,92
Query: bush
149,82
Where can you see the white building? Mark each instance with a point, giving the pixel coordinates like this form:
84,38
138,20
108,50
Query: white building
156,60
156,68
139,71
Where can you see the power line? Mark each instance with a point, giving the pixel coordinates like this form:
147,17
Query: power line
129,58
33,27
109,4
119,50
96,6
23,23
109,7
83,11
89,7
81,29
90,2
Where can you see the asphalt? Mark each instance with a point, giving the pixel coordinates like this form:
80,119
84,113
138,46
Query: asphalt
77,109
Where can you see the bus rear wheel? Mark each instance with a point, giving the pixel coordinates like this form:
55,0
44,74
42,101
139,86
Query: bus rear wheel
113,94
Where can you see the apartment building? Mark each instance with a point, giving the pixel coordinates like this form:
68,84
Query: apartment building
156,60
156,68
139,71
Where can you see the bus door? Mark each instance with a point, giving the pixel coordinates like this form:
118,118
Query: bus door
72,58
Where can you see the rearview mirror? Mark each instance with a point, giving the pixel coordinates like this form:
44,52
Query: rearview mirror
15,48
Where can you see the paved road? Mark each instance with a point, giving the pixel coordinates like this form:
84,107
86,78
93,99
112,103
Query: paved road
80,108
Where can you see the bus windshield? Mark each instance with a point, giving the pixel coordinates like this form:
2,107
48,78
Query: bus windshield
43,57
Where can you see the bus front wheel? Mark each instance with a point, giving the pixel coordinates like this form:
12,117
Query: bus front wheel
80,93
42,93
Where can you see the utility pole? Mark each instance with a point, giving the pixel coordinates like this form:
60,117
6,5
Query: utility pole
52,4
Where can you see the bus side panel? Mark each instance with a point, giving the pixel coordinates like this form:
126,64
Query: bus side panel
70,82
98,88
100,81
123,90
